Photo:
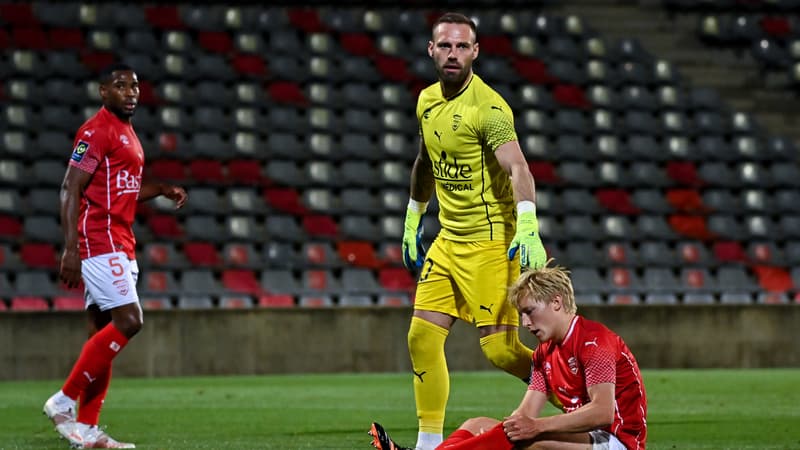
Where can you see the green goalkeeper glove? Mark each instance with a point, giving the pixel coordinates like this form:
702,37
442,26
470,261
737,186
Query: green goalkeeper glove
413,250
527,240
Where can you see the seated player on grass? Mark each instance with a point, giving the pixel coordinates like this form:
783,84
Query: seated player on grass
581,366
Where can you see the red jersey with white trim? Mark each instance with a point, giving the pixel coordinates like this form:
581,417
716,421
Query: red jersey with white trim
109,149
591,354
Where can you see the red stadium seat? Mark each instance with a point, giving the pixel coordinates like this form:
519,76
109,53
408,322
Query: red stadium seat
147,94
394,69
533,70
686,200
276,301
66,38
729,251
205,171
779,27
241,281
29,303
249,65
215,41
164,17
33,38
684,173
10,227
773,279
396,279
18,14
69,303
97,60
569,95
359,44
358,253
499,45
544,172
617,201
202,254
285,200
694,227
5,40
38,255
306,19
287,92
245,171
167,170
3,306
320,226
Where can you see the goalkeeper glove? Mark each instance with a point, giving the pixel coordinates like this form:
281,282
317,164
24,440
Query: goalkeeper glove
413,251
527,240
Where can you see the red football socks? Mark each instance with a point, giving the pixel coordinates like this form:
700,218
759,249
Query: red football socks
95,360
494,439
92,398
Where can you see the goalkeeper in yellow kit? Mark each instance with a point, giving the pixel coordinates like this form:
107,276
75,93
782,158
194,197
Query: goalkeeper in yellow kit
470,153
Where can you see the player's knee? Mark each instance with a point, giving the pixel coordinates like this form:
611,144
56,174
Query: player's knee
129,324
503,350
478,425
425,336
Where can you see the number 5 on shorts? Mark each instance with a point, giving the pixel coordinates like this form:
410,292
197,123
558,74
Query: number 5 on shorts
116,267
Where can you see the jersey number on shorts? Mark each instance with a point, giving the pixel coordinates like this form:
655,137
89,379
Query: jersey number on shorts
116,267
424,276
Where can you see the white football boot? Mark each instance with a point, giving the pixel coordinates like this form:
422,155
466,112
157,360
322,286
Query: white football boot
60,409
95,437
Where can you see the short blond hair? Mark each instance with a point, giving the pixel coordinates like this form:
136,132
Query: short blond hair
541,285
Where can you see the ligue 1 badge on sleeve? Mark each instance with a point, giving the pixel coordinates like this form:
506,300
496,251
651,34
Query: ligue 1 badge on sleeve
80,149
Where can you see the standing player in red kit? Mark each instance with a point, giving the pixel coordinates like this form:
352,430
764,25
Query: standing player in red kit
581,366
101,187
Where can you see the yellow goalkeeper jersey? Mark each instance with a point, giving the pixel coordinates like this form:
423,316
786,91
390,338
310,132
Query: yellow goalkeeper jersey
461,133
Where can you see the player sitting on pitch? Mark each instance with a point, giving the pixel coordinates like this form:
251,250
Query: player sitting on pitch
581,366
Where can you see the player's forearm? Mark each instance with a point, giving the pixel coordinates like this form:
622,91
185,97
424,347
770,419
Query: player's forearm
532,403
70,200
589,417
523,184
150,190
422,183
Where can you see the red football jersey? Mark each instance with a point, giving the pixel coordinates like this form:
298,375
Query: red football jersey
591,354
109,149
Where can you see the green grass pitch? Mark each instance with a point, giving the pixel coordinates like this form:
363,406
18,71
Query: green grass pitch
688,409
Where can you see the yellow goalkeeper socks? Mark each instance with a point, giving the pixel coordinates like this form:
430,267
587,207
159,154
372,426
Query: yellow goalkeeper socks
431,377
506,351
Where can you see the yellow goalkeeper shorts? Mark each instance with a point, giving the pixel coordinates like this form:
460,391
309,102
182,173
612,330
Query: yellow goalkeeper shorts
468,280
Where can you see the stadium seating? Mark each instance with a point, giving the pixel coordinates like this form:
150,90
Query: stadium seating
652,189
